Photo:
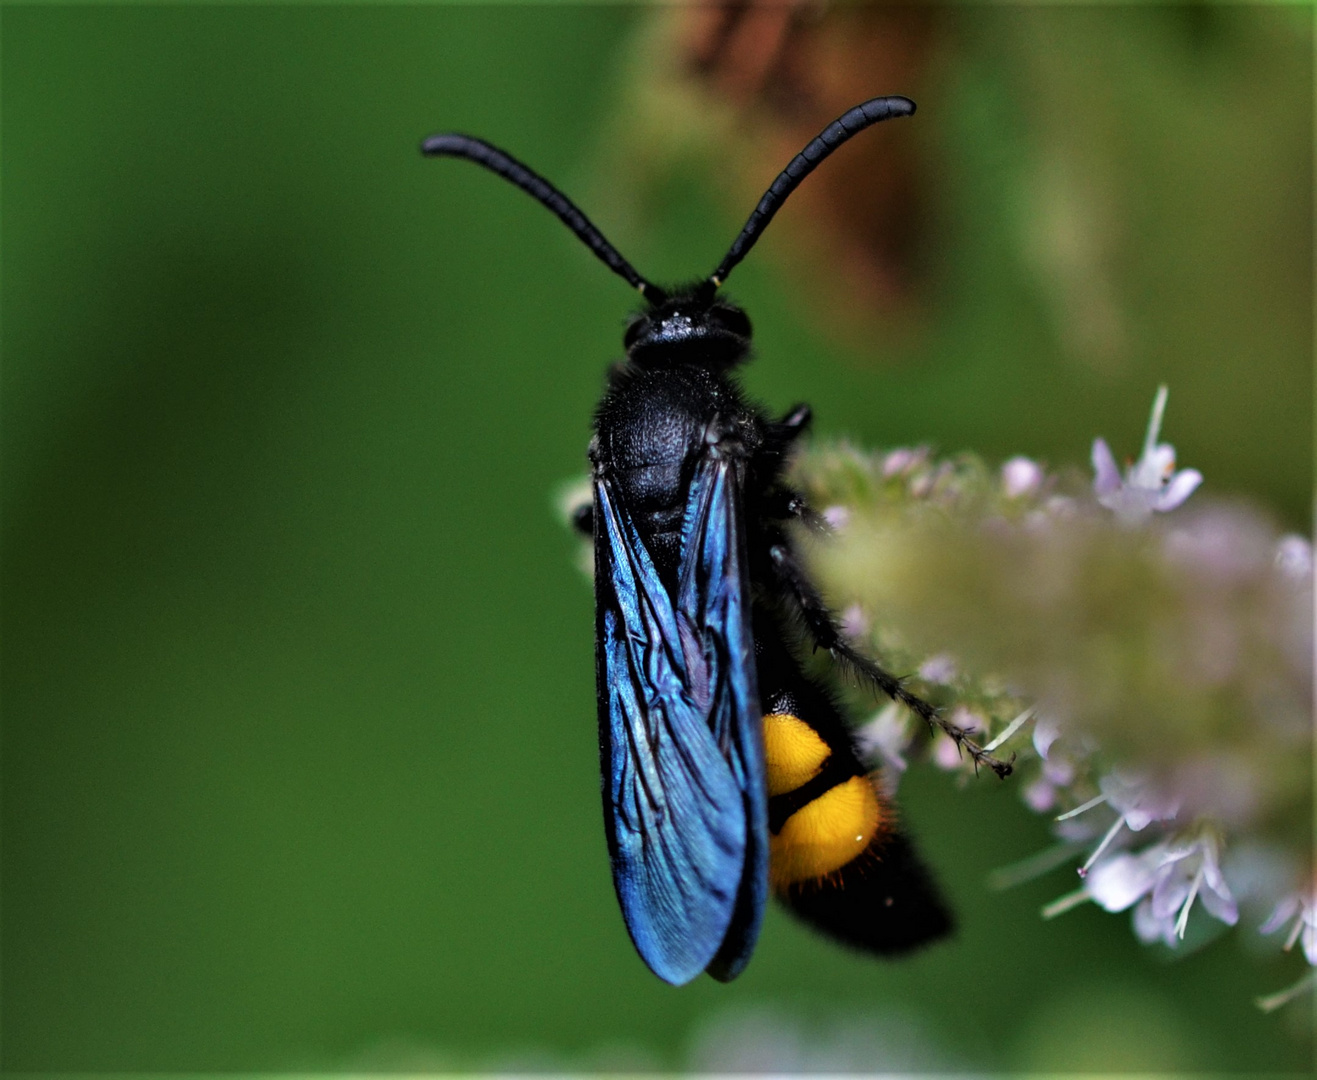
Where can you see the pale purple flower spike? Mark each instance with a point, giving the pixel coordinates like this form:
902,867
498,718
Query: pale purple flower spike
1151,484
1171,705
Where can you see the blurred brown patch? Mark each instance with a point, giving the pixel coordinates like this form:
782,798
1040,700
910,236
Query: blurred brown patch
857,224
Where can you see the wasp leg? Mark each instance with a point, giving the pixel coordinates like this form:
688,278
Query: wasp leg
796,421
787,504
583,519
781,502
822,627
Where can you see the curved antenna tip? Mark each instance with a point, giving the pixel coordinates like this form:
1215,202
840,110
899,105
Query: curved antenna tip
501,163
442,143
845,127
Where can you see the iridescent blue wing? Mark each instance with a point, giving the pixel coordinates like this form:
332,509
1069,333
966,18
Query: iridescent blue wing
713,608
683,766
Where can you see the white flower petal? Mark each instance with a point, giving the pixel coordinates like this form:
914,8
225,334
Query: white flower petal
903,459
1294,556
1040,796
1170,892
1212,869
1153,467
1057,770
1119,881
1107,479
1135,797
1045,732
1220,904
1182,485
946,754
837,517
1167,854
1020,476
1282,914
886,736
854,622
1153,806
1149,928
938,669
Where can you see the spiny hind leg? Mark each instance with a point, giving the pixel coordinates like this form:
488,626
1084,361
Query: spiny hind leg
823,628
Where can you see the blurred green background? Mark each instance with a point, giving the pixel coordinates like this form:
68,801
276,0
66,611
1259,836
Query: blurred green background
299,760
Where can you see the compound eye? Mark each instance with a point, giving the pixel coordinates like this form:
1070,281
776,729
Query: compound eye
634,329
732,319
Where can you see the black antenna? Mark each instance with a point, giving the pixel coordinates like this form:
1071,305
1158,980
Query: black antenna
850,123
505,165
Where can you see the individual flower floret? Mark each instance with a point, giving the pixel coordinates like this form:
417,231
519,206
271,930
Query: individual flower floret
837,517
1294,556
886,738
1058,768
1165,879
1138,801
854,622
940,668
1303,911
1021,476
1151,483
1122,880
903,460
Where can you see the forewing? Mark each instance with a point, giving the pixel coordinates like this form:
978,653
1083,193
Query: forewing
673,804
714,615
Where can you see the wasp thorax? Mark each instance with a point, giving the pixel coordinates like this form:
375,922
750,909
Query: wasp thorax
688,330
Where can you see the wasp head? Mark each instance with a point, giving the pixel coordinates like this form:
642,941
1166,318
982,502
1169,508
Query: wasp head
690,326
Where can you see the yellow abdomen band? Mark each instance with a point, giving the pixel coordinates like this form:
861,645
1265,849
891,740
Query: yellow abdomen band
793,752
826,834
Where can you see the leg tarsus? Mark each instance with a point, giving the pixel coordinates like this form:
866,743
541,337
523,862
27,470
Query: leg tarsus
796,420
786,503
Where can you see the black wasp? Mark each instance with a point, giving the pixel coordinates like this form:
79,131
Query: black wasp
727,771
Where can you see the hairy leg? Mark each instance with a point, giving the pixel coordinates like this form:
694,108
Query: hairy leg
822,626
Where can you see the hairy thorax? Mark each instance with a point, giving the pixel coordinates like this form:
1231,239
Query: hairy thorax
651,428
